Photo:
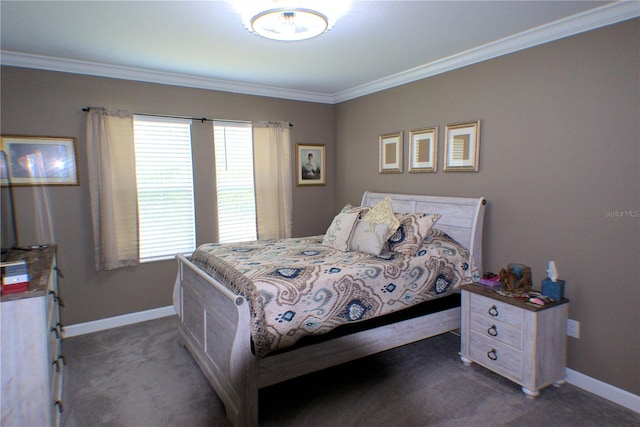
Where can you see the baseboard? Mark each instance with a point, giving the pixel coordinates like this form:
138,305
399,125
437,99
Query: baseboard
604,390
117,321
592,385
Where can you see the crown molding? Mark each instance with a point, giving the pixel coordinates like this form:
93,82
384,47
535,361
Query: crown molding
41,62
576,24
592,19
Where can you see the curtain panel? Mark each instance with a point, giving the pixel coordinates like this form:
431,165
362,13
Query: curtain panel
272,175
112,184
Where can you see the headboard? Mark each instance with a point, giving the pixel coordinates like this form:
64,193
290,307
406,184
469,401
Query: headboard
462,218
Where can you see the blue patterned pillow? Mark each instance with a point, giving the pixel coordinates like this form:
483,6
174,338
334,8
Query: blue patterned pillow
412,231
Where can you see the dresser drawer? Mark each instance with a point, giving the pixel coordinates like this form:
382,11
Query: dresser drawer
499,357
498,310
496,329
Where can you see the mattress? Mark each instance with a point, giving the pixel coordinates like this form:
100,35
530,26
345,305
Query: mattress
300,288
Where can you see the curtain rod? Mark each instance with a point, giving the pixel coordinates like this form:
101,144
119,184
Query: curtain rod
200,119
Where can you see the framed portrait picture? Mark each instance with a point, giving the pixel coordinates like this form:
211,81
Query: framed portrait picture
311,163
423,150
462,147
391,152
41,160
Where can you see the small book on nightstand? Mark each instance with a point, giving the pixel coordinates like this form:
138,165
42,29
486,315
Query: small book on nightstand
490,280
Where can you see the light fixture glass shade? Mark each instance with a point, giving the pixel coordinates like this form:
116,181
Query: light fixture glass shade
290,20
289,24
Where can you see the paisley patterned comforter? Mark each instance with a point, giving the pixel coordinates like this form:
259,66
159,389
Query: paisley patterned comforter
298,287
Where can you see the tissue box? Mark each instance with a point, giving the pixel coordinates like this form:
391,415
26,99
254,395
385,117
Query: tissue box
554,290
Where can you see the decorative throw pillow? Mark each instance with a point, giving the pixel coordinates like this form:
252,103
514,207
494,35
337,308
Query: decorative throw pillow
382,213
339,232
360,210
369,237
413,229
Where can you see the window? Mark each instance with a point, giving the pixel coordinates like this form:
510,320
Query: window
164,177
234,181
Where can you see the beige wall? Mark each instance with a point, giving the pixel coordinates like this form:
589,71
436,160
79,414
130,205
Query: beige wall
560,154
49,104
560,149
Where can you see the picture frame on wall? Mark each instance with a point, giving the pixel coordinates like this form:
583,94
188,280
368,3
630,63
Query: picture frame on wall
41,160
462,147
423,150
391,152
311,164
4,169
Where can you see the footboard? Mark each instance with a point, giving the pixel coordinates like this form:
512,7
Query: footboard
215,328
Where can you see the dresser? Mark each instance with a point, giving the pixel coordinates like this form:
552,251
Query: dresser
522,342
32,361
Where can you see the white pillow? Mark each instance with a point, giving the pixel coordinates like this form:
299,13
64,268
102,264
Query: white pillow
339,232
361,210
369,237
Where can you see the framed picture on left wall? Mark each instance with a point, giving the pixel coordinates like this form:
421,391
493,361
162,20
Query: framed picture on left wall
41,160
311,164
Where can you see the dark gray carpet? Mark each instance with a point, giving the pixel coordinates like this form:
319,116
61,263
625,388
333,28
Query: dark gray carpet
139,375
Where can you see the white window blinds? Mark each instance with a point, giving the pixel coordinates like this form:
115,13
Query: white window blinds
164,177
234,181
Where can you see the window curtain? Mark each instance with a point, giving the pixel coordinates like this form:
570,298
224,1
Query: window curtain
112,184
272,175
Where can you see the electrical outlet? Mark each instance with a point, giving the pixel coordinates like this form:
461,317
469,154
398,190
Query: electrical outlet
573,328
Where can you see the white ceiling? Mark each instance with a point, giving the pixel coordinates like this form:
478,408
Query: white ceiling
376,45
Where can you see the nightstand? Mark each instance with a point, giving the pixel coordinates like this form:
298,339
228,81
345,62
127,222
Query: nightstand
524,343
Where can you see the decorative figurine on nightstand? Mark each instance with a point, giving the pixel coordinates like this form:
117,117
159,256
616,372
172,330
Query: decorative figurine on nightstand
516,279
552,286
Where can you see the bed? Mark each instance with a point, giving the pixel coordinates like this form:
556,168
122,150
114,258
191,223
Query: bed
222,322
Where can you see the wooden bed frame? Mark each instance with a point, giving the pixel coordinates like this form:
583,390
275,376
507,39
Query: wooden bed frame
215,322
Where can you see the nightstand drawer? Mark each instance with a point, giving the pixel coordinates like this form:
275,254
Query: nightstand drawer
495,329
496,310
498,357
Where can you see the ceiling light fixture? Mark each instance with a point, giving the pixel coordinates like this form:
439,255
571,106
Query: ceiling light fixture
290,24
291,20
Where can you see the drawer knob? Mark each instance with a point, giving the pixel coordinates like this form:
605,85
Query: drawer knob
493,311
56,331
56,298
493,354
60,361
493,331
